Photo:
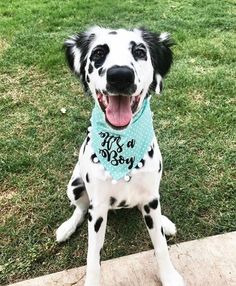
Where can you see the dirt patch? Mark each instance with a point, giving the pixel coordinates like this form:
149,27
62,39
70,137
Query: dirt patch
197,96
20,84
4,45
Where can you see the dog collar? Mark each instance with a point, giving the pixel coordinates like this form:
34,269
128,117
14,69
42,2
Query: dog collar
120,151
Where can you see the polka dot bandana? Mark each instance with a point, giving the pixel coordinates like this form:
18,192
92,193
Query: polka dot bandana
120,151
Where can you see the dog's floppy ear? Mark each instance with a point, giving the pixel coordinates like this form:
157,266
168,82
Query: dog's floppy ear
76,50
161,56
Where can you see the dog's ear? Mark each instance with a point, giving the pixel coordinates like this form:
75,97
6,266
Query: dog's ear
161,56
76,50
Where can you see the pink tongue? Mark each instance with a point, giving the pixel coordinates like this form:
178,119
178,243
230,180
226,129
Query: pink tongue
118,111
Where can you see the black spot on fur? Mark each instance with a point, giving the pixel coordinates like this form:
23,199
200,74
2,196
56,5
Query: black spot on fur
88,79
112,33
90,218
153,204
162,231
159,167
82,75
78,192
151,153
147,209
148,221
112,201
100,253
101,71
123,204
87,178
90,69
98,224
91,207
76,182
86,143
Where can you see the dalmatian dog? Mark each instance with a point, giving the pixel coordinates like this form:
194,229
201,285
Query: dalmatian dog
120,69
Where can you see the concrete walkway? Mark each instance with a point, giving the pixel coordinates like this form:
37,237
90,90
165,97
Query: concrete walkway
210,261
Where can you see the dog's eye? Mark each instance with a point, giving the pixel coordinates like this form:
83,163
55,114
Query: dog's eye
140,53
98,54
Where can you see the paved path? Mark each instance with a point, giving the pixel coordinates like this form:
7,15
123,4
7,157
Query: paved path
209,261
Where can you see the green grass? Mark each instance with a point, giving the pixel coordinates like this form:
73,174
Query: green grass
193,120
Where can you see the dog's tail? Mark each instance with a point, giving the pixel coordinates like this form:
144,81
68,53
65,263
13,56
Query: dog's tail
168,226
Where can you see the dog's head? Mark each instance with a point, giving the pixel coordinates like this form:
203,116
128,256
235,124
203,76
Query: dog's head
120,68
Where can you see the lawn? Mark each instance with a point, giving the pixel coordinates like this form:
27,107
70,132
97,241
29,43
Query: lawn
39,144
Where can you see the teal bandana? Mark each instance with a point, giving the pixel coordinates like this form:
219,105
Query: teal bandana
120,151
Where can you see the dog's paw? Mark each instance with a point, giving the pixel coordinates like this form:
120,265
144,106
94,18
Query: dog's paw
64,231
173,279
168,226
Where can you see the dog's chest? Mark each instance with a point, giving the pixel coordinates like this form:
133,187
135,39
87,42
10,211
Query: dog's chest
137,186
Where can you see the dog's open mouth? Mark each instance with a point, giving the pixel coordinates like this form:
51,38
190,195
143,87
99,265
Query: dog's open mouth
119,109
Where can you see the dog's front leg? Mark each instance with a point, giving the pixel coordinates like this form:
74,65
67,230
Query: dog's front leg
153,219
97,220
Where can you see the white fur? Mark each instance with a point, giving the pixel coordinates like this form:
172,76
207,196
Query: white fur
164,36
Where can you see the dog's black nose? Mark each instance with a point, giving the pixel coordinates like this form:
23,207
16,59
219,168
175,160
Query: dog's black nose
120,78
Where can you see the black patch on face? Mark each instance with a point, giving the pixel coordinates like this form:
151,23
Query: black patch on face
123,204
78,192
159,167
90,218
138,51
112,201
162,231
91,207
153,204
99,54
86,143
76,182
101,71
148,221
98,224
112,33
147,209
93,157
88,79
90,69
87,178
151,153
